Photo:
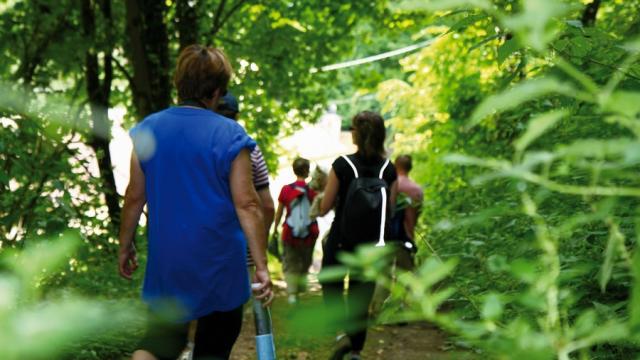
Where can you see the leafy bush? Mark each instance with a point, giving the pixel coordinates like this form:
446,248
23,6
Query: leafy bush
527,145
39,325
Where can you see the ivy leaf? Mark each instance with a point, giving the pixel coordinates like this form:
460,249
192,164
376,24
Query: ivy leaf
616,239
575,23
579,47
467,21
524,270
632,46
538,126
507,49
484,41
623,102
492,307
535,24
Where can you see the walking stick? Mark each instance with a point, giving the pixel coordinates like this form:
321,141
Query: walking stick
265,347
187,353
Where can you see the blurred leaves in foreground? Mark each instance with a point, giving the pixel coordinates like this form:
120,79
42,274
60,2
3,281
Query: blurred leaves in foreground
35,325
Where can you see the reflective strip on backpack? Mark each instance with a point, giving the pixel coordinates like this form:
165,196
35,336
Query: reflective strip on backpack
355,171
383,216
384,166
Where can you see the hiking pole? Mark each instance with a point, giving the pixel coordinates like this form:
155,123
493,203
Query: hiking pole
187,353
265,347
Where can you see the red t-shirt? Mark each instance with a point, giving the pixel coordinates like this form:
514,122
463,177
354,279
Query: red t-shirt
287,194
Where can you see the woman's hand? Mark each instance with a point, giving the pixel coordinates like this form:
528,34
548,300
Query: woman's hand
127,261
262,287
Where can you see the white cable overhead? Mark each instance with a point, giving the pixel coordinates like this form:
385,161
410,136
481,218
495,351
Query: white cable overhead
377,57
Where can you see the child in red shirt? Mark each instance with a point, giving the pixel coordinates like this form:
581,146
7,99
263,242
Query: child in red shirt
299,231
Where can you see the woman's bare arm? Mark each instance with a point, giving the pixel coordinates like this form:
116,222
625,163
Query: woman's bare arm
330,193
249,210
134,201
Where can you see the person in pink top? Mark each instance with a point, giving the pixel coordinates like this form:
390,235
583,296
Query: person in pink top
412,191
408,204
402,225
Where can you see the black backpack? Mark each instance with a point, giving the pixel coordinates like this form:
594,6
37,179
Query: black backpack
365,210
397,234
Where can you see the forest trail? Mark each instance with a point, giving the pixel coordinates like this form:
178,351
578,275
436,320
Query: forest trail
410,342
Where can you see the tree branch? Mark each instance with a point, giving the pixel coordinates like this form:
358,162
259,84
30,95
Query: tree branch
590,13
217,16
235,7
105,7
124,71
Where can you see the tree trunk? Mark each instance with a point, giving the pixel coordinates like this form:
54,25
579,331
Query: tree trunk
148,51
99,94
590,12
187,22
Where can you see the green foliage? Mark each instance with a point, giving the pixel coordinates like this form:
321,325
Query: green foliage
523,123
36,325
527,143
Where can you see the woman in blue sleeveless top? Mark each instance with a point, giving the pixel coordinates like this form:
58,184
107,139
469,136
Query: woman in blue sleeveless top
191,167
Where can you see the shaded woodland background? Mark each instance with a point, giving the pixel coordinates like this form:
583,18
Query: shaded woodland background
522,117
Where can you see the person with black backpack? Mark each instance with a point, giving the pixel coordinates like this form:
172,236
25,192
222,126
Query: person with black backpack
362,188
299,231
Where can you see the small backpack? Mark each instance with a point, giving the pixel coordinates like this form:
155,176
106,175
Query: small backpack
299,220
397,232
364,215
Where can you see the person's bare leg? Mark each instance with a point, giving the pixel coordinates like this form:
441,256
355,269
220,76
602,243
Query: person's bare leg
142,355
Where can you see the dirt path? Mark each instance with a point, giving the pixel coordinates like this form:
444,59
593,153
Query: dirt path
410,342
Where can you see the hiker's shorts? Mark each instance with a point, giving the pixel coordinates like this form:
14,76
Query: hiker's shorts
296,259
215,335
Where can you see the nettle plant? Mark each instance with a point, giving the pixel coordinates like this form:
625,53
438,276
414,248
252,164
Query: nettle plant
573,175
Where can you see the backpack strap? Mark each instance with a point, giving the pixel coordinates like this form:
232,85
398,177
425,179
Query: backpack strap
304,190
355,171
383,215
384,166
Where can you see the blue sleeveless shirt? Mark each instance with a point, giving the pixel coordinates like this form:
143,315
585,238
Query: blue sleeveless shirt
197,249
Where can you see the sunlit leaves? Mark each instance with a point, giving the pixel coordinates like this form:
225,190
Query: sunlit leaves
519,94
435,5
535,23
508,48
563,140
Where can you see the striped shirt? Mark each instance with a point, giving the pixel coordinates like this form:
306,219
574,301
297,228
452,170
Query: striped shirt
260,181
260,171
